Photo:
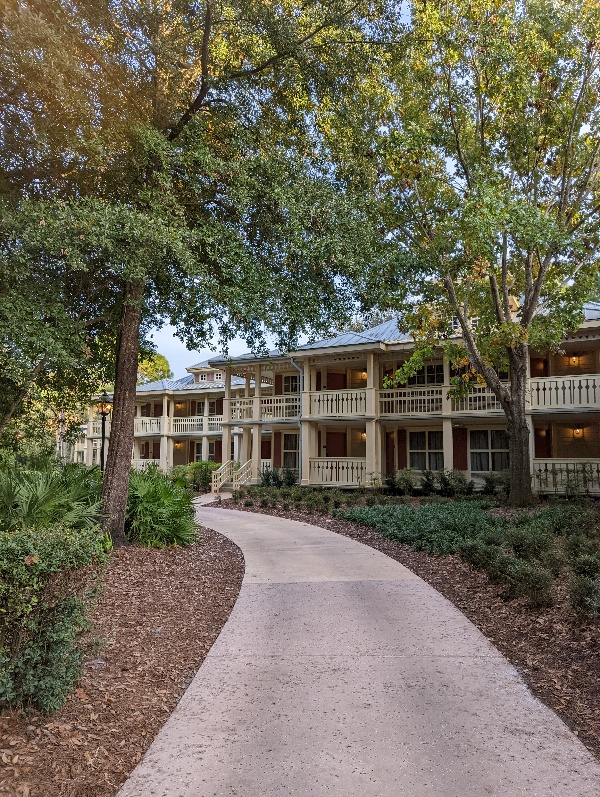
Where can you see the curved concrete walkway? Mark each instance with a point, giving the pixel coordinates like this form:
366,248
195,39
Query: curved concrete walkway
340,672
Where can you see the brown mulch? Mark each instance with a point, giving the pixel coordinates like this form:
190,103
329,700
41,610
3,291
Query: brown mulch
556,652
159,615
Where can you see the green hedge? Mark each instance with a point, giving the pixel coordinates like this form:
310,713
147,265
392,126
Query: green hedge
48,577
195,476
159,511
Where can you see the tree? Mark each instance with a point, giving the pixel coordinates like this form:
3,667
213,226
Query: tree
488,184
152,368
185,138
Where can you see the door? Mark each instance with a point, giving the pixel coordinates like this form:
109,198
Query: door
336,382
336,444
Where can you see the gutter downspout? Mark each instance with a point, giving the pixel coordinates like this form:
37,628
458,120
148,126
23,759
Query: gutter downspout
301,372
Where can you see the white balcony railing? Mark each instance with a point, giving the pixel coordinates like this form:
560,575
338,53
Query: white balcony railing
480,399
279,407
142,464
411,401
573,476
242,409
215,423
333,403
147,426
565,392
192,425
346,472
242,475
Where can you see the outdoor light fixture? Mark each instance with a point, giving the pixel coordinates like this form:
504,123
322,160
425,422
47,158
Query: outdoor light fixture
103,406
178,444
578,432
574,359
179,405
363,436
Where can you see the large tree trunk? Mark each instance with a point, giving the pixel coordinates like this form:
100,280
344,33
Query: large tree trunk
520,492
116,476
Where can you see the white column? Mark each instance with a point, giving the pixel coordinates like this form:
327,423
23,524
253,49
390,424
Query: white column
448,444
373,445
165,464
247,385
169,457
257,393
205,448
227,416
256,436
245,449
371,402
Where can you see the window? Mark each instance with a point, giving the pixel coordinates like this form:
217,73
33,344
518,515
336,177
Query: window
212,407
489,450
290,384
80,456
426,450
218,376
429,375
290,451
202,378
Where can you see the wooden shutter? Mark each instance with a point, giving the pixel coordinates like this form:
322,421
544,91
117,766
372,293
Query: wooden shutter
156,449
265,449
459,445
278,384
402,457
389,452
218,451
276,449
219,406
191,450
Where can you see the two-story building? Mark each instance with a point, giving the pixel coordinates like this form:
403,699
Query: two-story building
323,410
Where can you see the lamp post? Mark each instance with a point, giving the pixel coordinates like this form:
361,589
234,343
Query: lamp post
103,407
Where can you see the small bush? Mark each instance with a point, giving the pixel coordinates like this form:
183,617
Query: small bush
289,477
528,580
479,554
159,512
585,595
48,578
428,482
249,502
530,542
196,476
587,566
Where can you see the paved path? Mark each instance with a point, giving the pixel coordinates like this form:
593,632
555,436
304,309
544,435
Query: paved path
342,673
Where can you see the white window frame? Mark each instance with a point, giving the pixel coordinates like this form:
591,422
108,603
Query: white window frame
292,451
287,382
489,451
218,377
428,450
202,378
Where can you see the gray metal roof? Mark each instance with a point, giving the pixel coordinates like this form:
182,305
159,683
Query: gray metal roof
592,311
248,357
186,383
387,332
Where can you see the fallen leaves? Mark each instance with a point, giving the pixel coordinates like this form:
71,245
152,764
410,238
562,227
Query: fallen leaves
129,689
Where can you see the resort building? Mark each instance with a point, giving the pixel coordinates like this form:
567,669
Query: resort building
323,411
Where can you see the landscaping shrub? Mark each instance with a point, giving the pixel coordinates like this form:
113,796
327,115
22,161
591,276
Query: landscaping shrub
41,498
428,482
587,566
479,554
195,476
528,580
453,483
530,541
48,577
585,595
159,512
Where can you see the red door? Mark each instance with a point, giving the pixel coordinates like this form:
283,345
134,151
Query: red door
336,382
336,444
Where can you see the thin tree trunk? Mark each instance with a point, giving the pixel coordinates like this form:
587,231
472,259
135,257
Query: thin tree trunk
118,464
520,492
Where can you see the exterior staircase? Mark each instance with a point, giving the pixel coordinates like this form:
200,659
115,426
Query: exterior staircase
231,478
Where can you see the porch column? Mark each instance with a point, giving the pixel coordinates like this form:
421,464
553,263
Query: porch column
256,433
227,417
372,373
305,397
204,448
373,444
446,402
257,393
531,442
245,452
448,444
169,455
165,464
247,385
204,421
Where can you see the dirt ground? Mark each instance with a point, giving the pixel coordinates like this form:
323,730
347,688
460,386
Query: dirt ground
159,615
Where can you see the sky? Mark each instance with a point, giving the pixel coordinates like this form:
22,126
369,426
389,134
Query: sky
180,358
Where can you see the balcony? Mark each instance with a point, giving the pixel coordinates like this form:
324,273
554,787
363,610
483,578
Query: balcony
242,409
279,407
196,424
411,401
346,472
565,393
480,399
96,430
147,426
572,476
336,403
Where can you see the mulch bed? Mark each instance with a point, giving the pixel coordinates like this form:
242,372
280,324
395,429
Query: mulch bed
556,652
159,615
